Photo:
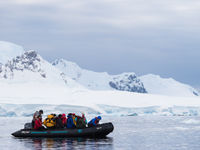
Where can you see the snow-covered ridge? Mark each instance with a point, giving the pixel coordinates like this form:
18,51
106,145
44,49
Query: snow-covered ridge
32,68
100,81
29,61
154,84
28,82
8,51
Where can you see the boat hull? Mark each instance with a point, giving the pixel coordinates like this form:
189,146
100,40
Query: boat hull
97,131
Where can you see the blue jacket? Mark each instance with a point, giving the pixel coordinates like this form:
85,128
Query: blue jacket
94,122
70,122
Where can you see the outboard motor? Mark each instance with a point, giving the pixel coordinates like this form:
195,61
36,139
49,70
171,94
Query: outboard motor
28,126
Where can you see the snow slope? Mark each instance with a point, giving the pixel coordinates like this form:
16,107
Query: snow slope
31,68
28,83
60,99
154,84
100,80
9,50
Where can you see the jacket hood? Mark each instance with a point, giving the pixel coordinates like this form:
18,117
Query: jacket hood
50,116
63,116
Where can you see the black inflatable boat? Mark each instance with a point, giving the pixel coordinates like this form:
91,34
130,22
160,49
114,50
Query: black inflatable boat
98,131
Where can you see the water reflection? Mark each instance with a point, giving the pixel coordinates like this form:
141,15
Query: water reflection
69,143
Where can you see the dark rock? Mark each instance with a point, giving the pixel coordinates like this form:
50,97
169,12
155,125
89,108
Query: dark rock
28,61
127,82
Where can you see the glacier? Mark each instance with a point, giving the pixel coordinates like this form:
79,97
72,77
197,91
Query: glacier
25,100
28,83
27,110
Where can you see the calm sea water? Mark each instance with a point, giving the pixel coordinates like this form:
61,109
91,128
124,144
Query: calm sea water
134,133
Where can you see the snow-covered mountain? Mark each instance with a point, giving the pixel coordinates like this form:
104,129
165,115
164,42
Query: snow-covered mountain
154,84
9,50
18,66
32,68
100,81
28,83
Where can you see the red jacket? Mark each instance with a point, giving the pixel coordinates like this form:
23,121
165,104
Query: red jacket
38,124
64,119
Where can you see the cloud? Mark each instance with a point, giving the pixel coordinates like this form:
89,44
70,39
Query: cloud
128,35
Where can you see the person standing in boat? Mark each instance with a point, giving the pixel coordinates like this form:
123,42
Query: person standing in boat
94,122
38,123
36,115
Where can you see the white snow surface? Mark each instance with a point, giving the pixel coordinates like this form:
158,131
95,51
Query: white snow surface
9,50
191,121
154,84
92,80
99,80
103,102
28,83
31,69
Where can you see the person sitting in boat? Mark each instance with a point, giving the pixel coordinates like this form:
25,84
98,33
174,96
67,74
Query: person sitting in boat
81,121
64,120
70,122
35,116
38,123
84,118
49,122
74,118
59,124
94,122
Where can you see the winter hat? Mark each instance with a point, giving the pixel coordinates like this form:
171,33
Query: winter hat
99,117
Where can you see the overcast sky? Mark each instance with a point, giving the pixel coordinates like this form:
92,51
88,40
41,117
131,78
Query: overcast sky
141,36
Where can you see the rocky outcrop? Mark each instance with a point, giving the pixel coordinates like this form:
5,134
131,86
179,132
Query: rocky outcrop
127,82
30,61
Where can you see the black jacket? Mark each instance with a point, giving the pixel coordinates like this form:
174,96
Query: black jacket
59,124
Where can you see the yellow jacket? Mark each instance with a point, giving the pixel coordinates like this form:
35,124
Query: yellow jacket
74,120
49,122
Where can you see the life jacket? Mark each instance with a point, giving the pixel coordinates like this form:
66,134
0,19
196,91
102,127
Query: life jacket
38,124
96,121
74,120
49,122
